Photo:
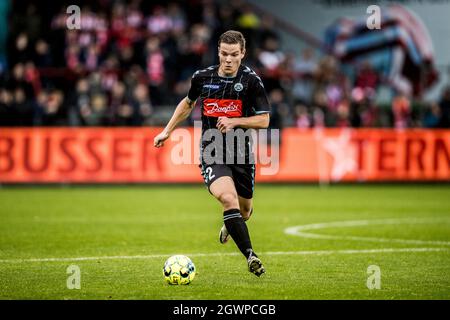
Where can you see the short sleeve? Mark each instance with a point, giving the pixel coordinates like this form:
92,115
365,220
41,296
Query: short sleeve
260,100
195,89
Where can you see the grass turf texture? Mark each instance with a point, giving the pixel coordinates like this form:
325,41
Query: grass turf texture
52,222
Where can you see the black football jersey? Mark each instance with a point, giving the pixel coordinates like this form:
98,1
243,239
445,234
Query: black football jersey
240,96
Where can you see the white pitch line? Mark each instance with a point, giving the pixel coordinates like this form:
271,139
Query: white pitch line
151,256
158,256
300,230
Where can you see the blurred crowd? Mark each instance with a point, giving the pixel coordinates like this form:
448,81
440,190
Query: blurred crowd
130,58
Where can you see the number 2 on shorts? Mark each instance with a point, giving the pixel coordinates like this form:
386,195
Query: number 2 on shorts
209,175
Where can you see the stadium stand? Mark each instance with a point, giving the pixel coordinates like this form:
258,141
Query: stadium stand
131,62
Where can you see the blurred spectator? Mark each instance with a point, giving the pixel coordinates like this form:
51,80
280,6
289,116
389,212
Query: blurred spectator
271,56
72,56
401,109
302,117
199,39
226,17
305,69
369,115
279,111
444,106
48,109
21,51
432,116
327,70
267,30
22,107
95,113
42,55
248,19
109,71
32,77
155,68
320,109
119,24
7,111
318,117
177,17
134,76
366,77
19,80
134,16
126,56
90,57
335,95
117,100
209,16
159,21
363,111
306,65
142,105
125,115
80,103
343,113
33,22
279,116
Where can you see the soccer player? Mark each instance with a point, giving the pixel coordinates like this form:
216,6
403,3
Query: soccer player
232,97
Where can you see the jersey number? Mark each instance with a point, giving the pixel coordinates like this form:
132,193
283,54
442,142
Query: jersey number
209,175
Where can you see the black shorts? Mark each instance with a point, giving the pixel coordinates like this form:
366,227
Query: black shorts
243,176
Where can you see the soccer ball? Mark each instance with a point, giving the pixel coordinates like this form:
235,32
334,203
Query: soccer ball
179,269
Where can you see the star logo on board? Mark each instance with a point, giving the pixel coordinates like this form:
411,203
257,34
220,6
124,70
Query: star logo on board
343,153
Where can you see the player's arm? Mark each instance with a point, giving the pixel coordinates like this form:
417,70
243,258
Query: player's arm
260,121
181,113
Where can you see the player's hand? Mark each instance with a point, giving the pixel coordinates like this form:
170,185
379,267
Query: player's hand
225,124
160,138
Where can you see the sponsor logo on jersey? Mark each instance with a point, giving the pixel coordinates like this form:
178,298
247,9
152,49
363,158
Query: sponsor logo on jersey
211,86
222,108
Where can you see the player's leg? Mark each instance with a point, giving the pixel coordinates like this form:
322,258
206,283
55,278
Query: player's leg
210,174
224,190
218,179
246,206
243,177
244,181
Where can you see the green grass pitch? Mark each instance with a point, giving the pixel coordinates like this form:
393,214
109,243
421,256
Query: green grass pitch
120,236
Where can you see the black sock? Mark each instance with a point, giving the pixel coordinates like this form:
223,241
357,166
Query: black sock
238,231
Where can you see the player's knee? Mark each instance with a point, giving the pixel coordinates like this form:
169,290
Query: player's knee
229,200
246,212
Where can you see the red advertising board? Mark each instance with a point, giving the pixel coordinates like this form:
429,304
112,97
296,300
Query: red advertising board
116,155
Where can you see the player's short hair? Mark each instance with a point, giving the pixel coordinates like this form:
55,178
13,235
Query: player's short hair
232,37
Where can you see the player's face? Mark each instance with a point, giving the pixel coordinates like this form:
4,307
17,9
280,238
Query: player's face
230,57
